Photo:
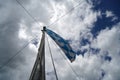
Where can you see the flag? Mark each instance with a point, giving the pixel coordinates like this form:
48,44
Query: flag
63,44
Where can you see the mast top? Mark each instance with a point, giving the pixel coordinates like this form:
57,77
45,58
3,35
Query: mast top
44,28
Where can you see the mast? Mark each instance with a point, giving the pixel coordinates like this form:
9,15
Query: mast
38,72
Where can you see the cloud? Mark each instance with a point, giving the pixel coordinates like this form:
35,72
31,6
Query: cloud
10,43
109,14
17,28
108,40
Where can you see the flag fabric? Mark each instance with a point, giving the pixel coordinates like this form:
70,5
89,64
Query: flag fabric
63,44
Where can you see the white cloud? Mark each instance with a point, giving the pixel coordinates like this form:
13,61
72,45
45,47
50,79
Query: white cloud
74,26
22,34
108,40
111,14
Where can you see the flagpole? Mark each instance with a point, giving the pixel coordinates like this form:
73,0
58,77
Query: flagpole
43,57
38,71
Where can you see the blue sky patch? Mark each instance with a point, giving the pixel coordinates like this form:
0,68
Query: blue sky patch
94,50
102,74
84,42
103,21
106,57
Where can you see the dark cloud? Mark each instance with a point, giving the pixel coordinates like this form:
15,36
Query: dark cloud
11,16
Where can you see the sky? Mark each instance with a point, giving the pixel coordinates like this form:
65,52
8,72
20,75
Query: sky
92,27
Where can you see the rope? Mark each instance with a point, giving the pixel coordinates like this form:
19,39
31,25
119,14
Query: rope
10,59
64,15
68,63
28,12
51,23
52,59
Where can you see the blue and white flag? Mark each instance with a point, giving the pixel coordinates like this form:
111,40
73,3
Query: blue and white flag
63,44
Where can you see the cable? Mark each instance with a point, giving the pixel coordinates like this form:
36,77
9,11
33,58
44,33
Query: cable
28,12
51,23
68,63
70,66
65,68
27,43
10,59
64,15
52,60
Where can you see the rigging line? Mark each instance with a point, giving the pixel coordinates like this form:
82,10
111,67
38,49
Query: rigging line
65,68
10,59
28,12
71,66
52,59
68,63
64,15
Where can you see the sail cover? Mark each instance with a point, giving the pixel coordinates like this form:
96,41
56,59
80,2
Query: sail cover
63,44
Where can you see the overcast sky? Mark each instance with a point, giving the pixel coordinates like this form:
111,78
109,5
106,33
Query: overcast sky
91,26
